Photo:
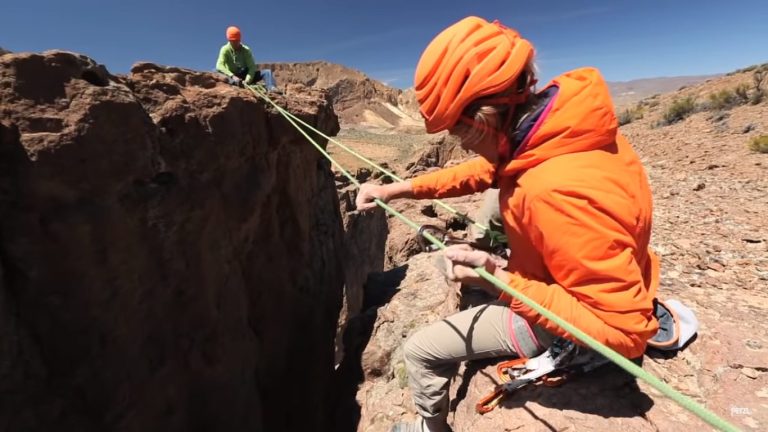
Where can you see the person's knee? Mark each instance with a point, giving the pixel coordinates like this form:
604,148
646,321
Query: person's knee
413,350
410,349
420,348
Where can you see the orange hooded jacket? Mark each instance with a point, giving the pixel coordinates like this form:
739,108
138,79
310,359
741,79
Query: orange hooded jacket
577,212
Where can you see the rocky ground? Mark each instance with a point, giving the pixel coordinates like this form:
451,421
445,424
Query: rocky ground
711,231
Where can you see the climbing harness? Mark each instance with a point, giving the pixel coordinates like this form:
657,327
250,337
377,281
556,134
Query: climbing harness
562,360
599,348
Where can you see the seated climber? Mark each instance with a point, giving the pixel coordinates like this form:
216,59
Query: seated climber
575,207
236,62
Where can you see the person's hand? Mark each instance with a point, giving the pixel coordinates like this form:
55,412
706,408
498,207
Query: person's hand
461,262
235,81
368,193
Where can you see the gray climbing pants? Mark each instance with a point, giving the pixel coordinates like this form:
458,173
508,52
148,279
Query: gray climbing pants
433,354
489,215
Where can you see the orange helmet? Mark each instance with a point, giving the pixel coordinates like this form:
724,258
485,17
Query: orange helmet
468,60
233,33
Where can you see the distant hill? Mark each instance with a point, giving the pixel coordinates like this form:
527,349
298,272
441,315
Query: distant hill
4,51
362,101
625,93
357,98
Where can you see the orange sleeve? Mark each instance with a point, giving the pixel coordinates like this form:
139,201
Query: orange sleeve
474,175
597,285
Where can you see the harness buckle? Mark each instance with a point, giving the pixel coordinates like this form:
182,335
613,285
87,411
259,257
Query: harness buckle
552,368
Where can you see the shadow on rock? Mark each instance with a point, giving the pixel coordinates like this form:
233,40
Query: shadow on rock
670,354
609,392
379,290
381,287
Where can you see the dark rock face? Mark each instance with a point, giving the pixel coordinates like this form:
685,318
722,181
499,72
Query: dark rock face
365,238
170,252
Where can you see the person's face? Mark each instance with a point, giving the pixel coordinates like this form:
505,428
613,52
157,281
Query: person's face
477,138
235,44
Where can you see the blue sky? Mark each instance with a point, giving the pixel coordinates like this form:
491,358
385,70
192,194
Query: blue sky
625,39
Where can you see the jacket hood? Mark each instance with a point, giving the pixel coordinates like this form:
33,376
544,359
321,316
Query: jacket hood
580,117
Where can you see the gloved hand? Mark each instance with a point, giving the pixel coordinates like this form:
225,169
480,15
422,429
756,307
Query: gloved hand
236,81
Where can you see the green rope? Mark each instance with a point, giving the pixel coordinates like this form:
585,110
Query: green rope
495,237
686,402
615,357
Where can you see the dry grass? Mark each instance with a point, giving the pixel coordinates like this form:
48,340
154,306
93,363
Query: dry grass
759,144
631,114
678,110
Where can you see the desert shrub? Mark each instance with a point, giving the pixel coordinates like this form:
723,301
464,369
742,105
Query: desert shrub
741,92
759,144
631,114
678,110
757,97
748,69
718,116
722,100
726,99
758,93
650,102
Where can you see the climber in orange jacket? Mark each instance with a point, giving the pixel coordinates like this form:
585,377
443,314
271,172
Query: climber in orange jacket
574,198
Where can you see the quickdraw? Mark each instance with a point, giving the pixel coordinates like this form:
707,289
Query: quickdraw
553,368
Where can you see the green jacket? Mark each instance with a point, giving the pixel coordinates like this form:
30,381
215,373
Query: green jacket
230,61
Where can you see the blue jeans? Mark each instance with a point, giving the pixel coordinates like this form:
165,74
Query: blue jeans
264,74
269,80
